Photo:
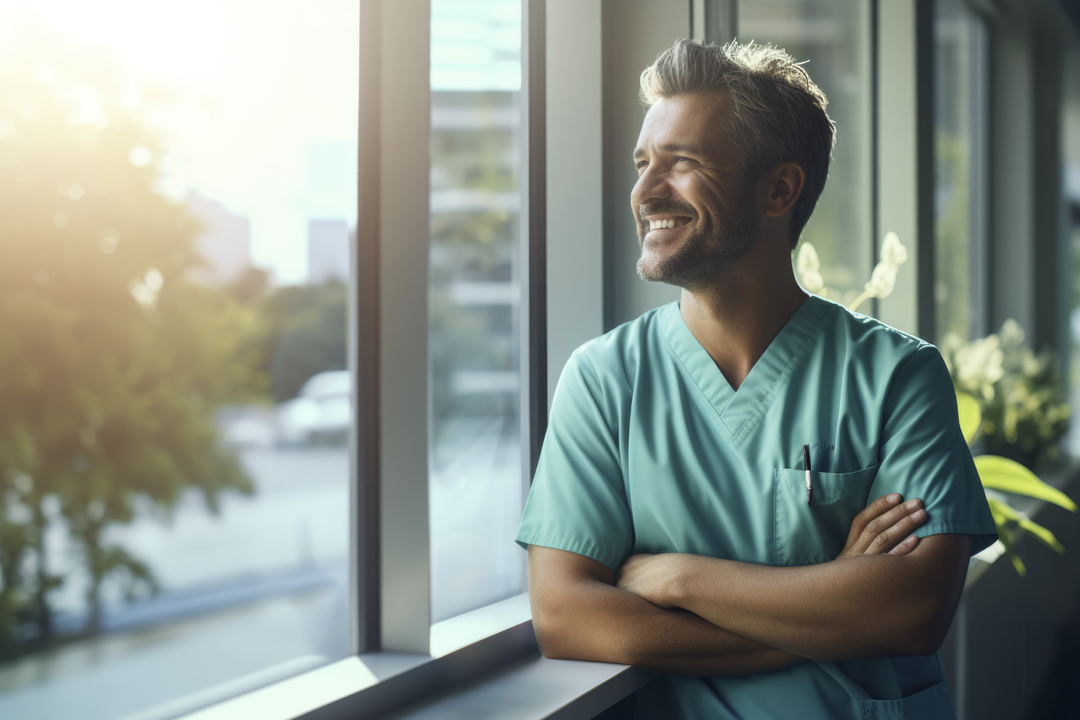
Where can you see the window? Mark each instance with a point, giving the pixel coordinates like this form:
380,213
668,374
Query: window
176,215
833,37
476,487
960,111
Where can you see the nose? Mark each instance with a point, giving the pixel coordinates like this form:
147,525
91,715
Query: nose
652,185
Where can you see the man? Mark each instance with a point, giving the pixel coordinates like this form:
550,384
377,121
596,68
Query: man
670,524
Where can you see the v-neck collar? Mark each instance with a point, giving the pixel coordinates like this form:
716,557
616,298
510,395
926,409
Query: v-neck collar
740,412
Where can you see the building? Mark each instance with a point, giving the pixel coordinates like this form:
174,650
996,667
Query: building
224,244
328,251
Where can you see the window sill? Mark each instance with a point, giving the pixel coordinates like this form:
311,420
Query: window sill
484,664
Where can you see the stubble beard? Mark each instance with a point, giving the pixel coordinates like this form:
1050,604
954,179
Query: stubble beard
707,255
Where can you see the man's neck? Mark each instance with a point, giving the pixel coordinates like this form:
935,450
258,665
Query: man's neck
736,319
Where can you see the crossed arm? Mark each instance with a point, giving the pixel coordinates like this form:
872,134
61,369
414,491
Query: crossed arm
886,595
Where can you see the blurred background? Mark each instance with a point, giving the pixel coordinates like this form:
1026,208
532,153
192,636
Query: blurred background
178,193
177,218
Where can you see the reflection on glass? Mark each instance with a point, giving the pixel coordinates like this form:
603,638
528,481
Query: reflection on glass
175,219
832,36
959,111
475,484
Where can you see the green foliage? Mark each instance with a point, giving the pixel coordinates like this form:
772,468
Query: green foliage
112,364
970,416
1000,473
1019,394
1005,475
306,329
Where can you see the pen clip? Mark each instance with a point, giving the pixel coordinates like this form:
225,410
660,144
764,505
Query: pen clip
806,469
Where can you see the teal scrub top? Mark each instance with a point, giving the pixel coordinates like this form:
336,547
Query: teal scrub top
649,450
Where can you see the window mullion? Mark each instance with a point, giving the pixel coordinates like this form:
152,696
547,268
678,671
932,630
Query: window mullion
393,239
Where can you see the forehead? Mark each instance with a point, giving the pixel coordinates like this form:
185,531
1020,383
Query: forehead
692,120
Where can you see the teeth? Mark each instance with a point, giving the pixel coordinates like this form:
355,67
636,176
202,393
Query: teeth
661,224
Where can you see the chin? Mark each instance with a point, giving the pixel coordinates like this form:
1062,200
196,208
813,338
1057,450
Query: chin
651,267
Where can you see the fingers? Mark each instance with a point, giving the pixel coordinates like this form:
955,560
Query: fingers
856,542
884,525
897,525
906,545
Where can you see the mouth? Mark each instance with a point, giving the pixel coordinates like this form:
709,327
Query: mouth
669,222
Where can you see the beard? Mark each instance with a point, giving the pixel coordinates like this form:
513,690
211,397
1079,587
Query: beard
710,251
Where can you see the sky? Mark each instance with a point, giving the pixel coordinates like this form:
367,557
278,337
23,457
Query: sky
265,113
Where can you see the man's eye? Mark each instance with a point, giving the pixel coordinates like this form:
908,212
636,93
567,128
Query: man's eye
641,163
680,158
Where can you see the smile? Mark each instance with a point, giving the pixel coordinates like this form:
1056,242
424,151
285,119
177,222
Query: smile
668,223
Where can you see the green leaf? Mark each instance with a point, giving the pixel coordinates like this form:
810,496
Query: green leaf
1002,513
970,415
1042,535
1000,473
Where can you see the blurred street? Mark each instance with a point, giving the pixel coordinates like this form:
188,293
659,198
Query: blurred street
260,591
263,584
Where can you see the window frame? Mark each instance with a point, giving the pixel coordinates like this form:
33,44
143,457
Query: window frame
390,477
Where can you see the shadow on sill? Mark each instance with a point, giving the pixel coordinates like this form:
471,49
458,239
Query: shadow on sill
622,710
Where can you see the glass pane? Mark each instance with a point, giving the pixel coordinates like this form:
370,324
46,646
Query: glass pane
832,36
176,211
958,114
476,482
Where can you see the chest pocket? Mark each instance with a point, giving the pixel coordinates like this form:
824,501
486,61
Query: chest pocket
806,535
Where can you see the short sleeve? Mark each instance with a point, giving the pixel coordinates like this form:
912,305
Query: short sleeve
578,499
923,453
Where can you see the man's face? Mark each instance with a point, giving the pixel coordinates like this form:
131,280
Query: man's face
692,179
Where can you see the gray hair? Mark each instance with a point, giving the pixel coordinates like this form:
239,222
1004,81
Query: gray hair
778,112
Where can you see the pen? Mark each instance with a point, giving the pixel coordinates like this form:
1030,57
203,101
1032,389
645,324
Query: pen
806,466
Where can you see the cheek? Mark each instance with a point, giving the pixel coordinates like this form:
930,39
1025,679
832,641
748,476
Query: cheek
707,192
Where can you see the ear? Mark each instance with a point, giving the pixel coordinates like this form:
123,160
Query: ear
786,184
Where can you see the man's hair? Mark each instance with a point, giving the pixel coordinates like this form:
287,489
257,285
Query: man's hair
778,113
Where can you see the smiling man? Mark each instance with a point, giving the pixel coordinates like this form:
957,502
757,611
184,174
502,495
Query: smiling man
753,491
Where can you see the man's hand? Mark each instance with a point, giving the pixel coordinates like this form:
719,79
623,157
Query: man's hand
884,527
652,577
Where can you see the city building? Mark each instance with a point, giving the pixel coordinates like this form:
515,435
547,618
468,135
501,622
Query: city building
224,243
328,251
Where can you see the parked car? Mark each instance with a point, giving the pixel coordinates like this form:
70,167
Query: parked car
320,414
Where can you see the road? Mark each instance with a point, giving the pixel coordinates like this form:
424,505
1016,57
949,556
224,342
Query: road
259,591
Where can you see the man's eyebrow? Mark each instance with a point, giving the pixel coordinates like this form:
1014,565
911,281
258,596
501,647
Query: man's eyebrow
670,148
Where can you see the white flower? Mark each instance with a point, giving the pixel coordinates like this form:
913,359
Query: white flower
882,280
808,259
813,282
1011,332
808,265
893,251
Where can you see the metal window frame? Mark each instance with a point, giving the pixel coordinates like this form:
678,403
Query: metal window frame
533,236
979,183
390,571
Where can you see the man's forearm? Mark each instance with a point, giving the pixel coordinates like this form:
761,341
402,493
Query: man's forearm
599,622
861,607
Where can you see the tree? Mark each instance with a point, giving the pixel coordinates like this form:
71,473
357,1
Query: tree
306,329
112,364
